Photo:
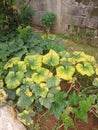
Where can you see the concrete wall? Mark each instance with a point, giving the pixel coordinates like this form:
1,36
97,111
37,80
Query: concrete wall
83,13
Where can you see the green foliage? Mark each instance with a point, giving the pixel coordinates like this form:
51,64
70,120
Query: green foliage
59,104
52,58
79,105
13,16
26,15
24,42
48,19
24,33
36,80
25,116
8,14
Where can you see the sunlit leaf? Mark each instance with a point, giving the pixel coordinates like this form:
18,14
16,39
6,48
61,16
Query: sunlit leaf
66,72
90,59
79,56
13,80
51,59
66,61
64,54
45,89
41,75
11,62
21,66
34,61
85,69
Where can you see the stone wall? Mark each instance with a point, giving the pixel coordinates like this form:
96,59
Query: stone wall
83,13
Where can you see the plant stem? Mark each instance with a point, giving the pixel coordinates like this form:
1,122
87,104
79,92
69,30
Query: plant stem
72,85
60,126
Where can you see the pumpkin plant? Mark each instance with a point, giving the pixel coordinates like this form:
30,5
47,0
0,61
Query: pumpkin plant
36,80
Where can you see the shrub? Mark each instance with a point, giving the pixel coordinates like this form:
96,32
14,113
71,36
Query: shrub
48,20
11,18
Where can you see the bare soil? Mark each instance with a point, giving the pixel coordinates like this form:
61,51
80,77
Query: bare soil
49,122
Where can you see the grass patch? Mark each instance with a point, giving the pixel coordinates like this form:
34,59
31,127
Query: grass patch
72,45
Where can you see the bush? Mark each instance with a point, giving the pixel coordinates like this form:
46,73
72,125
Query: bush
48,20
11,18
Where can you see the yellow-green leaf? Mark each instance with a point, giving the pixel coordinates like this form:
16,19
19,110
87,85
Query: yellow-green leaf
21,66
13,80
79,56
34,61
51,59
85,69
45,89
66,72
90,59
11,62
64,54
41,75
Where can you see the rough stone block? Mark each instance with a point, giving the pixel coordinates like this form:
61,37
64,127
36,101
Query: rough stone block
7,122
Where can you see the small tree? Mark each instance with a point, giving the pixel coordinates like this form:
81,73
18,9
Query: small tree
48,20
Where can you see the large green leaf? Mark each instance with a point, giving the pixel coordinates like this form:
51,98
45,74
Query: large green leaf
13,80
25,101
59,104
73,99
34,61
51,59
81,114
53,82
41,75
86,104
85,69
46,102
66,72
11,62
